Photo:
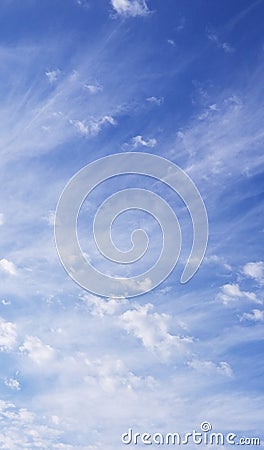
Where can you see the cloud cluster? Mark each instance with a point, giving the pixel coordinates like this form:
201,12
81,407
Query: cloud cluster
132,8
231,292
93,126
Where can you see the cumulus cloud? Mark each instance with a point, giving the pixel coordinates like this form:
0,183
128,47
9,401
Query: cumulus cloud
8,267
37,351
254,270
137,141
131,8
231,292
256,315
8,335
152,329
2,219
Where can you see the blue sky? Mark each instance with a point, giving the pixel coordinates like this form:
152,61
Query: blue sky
83,79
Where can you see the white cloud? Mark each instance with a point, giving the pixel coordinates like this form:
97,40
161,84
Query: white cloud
255,270
181,24
209,367
37,351
8,335
131,8
227,47
53,75
231,292
93,126
223,45
214,259
6,302
138,141
153,330
93,88
50,218
155,100
100,307
81,127
2,219
83,3
12,383
171,42
255,316
111,375
144,285
213,107
218,152
8,267
21,429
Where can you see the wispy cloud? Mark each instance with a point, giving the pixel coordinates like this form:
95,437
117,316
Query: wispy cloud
219,147
155,100
93,88
83,3
209,368
171,42
93,126
212,36
65,350
53,75
181,24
